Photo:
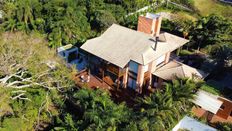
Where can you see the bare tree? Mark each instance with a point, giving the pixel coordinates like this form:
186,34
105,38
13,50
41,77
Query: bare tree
26,62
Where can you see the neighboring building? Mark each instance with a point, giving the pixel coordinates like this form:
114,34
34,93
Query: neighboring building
212,107
72,56
137,59
190,124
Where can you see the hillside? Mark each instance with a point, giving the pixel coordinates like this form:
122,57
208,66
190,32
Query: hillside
207,7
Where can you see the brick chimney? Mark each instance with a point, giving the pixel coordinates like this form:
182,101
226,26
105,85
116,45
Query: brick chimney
150,24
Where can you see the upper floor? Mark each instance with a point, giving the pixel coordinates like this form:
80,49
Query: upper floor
146,46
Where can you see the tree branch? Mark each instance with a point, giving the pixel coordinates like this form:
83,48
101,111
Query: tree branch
20,97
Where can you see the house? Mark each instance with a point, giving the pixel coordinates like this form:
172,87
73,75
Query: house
137,59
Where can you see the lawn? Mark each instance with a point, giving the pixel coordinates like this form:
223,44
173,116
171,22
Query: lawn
207,7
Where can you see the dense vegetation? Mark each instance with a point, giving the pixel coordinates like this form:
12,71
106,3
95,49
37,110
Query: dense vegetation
64,22
36,89
33,82
37,93
159,111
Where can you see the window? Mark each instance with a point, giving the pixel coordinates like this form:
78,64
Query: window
133,66
72,56
131,83
222,107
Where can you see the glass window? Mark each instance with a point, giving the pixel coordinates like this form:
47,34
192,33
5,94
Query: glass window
131,83
133,66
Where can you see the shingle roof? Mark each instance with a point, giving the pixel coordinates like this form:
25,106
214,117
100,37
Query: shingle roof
174,68
119,45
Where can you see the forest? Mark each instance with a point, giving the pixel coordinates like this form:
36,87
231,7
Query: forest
37,91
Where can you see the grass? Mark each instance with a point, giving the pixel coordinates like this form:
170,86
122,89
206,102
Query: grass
211,89
207,7
185,52
186,16
178,14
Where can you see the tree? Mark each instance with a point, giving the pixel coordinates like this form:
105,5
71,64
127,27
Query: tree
210,30
99,111
33,81
102,20
162,109
182,91
21,12
64,21
158,111
222,53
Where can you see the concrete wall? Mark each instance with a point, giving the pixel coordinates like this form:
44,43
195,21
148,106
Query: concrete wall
140,78
125,76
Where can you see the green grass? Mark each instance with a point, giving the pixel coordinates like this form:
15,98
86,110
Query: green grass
207,7
185,52
211,89
186,16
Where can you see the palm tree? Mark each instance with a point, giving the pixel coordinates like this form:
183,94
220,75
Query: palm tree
158,108
99,111
182,91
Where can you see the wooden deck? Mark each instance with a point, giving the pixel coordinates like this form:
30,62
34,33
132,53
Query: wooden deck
94,82
117,94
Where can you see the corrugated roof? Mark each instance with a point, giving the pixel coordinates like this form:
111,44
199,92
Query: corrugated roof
207,101
119,45
192,125
174,68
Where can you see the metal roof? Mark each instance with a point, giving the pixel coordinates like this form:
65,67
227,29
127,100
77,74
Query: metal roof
207,101
119,45
192,125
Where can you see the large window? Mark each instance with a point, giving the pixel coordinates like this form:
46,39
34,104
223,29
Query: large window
133,67
131,83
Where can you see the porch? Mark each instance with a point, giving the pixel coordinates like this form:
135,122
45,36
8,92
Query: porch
106,72
84,79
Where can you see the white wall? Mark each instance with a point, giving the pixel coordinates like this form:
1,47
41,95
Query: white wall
160,59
